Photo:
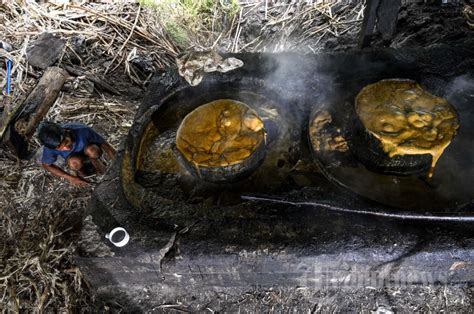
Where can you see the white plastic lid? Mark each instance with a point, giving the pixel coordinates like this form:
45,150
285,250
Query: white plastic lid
120,243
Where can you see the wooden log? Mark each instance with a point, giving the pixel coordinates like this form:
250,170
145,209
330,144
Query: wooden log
91,77
40,100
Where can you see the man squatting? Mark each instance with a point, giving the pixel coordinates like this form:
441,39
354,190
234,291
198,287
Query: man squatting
78,144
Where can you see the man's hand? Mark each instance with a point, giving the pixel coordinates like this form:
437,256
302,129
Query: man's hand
76,181
79,182
62,174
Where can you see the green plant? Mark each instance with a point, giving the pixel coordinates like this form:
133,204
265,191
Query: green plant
189,21
177,33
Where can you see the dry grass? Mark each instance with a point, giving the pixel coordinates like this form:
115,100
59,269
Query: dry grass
468,13
118,36
114,34
301,26
41,215
37,269
256,26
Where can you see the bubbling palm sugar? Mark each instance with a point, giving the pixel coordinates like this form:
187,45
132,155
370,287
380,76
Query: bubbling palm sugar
221,133
406,119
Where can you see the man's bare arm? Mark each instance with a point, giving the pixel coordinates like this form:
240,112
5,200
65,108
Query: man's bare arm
63,174
108,149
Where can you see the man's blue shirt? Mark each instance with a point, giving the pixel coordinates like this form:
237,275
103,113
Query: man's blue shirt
82,135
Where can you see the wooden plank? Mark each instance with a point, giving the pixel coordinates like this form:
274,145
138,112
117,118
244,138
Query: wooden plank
45,51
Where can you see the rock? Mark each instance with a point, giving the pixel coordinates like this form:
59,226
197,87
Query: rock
45,51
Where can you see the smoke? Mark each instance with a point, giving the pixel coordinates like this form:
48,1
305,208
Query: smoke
461,86
290,80
460,93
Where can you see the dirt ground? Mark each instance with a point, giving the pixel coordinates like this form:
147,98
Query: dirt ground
42,215
303,300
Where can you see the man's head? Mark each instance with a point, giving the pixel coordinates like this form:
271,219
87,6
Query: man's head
53,136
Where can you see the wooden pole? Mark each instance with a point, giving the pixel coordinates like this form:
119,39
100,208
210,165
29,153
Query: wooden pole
368,24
